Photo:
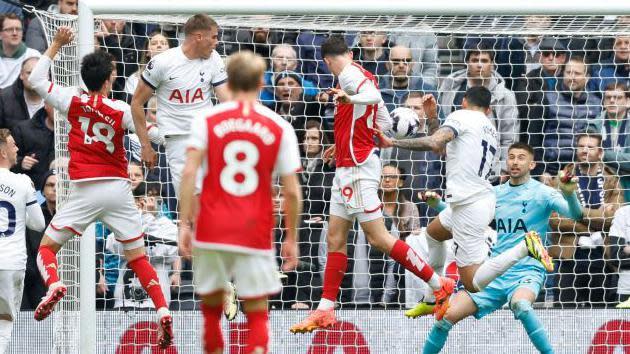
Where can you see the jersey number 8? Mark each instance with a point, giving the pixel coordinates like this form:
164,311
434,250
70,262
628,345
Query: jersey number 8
239,176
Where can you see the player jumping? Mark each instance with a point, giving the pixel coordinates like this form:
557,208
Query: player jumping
243,144
100,186
359,110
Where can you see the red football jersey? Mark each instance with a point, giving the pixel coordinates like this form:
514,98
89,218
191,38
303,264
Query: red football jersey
245,145
354,123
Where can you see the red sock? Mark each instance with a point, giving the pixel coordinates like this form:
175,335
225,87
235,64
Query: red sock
149,280
336,265
408,258
212,336
47,264
258,336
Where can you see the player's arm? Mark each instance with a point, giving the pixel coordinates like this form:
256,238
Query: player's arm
569,205
194,158
140,97
430,109
34,215
436,142
433,200
222,92
57,96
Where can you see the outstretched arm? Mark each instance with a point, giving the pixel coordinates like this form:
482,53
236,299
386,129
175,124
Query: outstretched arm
436,142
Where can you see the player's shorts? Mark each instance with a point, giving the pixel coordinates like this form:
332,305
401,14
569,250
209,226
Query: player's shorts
253,275
176,146
468,225
108,200
354,191
500,291
11,291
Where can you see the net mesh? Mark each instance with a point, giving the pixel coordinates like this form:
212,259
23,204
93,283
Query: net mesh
437,45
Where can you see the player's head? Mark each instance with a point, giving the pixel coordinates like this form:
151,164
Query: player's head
336,53
245,72
520,160
97,72
8,149
392,178
202,32
477,98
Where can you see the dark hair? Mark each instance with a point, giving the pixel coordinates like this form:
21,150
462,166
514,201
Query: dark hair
618,86
478,96
312,124
199,22
588,134
333,46
402,173
145,188
96,68
522,146
480,47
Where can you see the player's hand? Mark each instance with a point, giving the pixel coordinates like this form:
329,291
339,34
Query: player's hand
429,106
431,198
28,162
184,242
64,36
339,96
383,140
322,97
568,182
149,156
329,155
289,254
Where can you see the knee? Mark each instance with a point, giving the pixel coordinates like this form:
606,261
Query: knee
520,308
50,244
449,320
381,241
469,285
335,243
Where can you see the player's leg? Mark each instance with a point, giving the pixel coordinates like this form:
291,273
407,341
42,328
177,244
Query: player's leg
257,324
10,299
212,309
438,231
521,306
461,306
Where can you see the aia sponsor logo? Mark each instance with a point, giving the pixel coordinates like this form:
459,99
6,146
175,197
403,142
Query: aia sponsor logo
186,96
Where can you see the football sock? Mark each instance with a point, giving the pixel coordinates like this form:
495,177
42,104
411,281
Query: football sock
258,336
149,280
336,265
212,335
47,265
491,268
437,337
524,312
408,258
436,259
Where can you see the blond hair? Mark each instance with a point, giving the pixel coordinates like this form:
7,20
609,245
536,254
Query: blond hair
245,70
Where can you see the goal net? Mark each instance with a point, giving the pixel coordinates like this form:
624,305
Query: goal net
552,79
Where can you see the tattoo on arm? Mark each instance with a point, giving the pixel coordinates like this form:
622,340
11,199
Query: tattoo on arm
434,124
433,142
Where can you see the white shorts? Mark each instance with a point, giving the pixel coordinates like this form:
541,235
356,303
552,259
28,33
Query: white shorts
468,224
11,292
176,146
354,191
254,275
109,201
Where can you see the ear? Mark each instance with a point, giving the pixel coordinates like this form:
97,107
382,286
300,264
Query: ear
532,165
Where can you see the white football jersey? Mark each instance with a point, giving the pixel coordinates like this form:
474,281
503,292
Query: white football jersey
16,193
470,156
182,87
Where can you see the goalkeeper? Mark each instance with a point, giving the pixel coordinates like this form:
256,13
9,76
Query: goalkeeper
523,205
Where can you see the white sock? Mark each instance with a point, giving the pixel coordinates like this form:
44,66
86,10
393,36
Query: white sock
495,266
5,335
325,304
436,259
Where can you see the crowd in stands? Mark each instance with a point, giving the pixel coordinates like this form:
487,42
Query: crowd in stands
568,97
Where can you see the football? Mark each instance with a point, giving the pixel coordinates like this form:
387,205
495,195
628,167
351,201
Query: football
405,123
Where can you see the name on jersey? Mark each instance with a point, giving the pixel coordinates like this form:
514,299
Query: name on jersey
244,125
510,226
8,190
179,97
89,109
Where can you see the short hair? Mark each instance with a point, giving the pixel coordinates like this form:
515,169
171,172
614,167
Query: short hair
245,70
401,170
333,46
588,134
522,146
413,94
4,135
478,96
8,16
199,22
618,86
277,47
314,123
481,47
144,188
578,59
96,68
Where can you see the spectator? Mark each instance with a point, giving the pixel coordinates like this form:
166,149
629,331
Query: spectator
530,92
36,140
372,52
399,82
313,67
283,58
35,36
258,40
156,44
316,176
19,102
480,71
620,250
616,70
136,174
424,50
161,248
33,282
395,205
6,8
614,126
567,113
13,52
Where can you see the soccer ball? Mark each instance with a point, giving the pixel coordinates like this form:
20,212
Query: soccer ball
405,122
